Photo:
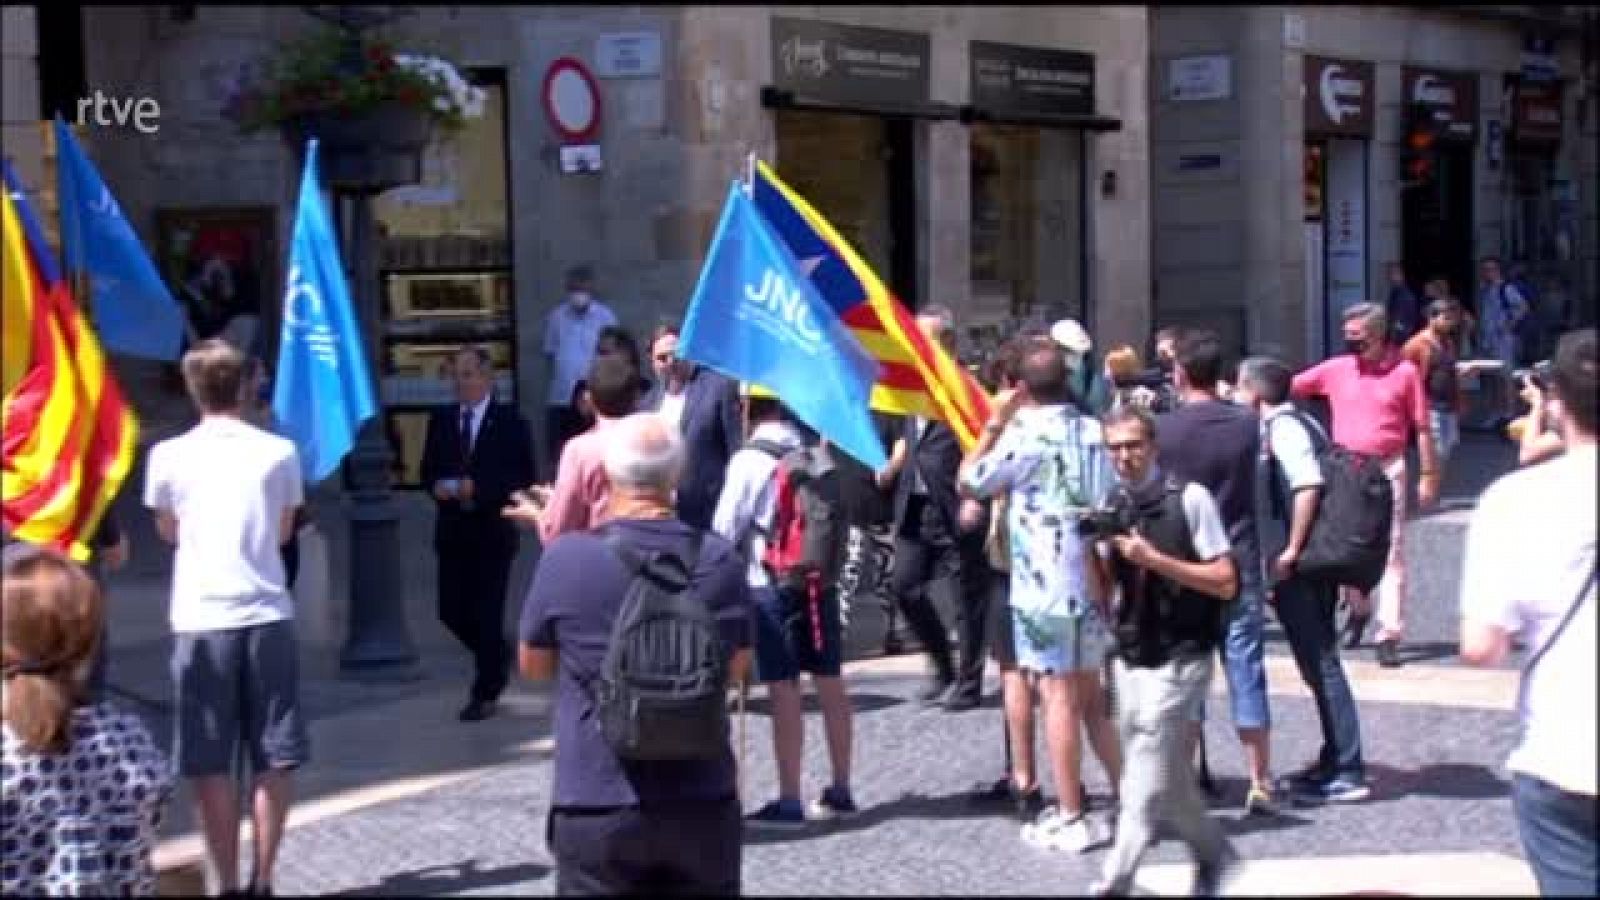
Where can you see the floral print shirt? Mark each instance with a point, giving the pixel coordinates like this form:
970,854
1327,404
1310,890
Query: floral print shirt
1053,463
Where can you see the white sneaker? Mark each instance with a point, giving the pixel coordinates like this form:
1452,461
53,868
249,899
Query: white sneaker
1064,835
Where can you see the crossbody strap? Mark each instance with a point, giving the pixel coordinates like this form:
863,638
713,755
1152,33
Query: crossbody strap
1538,655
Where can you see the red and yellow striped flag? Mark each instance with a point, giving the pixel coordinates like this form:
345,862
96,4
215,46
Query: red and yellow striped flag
67,435
918,377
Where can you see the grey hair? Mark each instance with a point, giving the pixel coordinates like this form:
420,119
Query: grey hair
947,319
1372,314
1268,377
644,452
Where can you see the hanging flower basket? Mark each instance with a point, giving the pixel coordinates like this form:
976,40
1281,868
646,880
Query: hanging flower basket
366,153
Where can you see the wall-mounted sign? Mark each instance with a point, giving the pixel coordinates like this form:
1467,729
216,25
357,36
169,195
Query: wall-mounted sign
1539,61
1200,78
571,100
1449,99
1013,79
1339,97
849,65
1536,116
634,54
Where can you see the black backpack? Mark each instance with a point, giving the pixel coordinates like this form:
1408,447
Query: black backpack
1349,540
662,689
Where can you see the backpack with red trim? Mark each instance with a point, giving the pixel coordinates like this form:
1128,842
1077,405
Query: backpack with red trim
806,544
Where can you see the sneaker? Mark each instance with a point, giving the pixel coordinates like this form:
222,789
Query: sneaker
1258,802
1054,831
835,803
1335,790
778,814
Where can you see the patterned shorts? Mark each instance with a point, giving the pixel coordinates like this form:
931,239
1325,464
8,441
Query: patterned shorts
1052,644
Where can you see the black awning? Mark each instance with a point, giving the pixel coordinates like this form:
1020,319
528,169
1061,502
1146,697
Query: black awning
778,98
1041,120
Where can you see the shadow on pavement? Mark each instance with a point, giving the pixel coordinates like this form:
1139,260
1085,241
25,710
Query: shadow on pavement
1450,780
434,881
860,702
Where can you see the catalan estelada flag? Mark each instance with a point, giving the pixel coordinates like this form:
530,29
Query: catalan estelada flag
917,377
67,435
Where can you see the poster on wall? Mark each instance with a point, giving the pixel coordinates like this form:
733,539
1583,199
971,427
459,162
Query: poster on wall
1345,228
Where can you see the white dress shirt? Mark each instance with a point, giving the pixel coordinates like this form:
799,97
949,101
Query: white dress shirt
478,412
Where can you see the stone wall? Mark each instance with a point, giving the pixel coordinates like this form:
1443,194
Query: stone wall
19,103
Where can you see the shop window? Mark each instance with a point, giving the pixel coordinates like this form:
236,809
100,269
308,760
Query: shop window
445,265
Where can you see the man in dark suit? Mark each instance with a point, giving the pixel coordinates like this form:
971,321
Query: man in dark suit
705,407
476,453
933,551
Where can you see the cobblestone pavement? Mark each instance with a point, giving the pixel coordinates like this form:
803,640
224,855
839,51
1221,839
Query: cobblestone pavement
1435,773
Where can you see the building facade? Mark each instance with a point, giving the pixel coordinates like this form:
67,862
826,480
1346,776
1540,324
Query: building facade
1296,151
993,160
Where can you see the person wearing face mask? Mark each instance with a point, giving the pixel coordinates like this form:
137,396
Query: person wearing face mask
1378,402
571,335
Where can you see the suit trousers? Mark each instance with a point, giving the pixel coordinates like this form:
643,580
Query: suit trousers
928,563
474,570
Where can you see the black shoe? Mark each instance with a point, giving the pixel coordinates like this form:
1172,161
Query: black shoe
933,693
478,710
1208,876
960,699
1389,654
257,889
1029,804
1354,629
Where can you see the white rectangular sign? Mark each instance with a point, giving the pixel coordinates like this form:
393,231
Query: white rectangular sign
634,54
1200,78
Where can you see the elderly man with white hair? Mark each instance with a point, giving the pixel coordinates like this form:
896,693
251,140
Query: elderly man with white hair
620,826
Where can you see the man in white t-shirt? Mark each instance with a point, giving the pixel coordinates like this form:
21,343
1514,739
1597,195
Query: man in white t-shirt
571,333
1530,572
225,494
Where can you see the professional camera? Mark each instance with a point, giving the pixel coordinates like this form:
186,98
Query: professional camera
1105,521
1150,379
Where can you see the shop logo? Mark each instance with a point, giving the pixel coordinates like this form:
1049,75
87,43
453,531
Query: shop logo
1431,91
807,58
777,298
1341,95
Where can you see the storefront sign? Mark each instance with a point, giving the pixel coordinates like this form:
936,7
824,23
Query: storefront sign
635,54
848,64
1339,97
1536,118
1449,98
1200,78
1020,80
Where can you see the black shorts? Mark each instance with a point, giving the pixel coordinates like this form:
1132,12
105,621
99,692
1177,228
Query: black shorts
238,688
1002,648
695,850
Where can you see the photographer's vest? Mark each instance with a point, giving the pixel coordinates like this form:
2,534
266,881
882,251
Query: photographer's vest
1159,620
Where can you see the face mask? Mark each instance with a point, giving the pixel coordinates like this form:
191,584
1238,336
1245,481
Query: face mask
1164,364
1356,346
580,299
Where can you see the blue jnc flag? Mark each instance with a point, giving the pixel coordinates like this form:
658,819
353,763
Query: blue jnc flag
133,310
756,316
323,390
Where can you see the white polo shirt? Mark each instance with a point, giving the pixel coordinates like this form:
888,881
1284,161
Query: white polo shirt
1529,549
228,483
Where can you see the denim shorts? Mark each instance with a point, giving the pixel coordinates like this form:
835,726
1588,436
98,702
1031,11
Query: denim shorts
790,639
1446,429
1243,645
238,690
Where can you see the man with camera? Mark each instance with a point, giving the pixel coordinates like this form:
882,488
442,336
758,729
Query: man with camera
1171,559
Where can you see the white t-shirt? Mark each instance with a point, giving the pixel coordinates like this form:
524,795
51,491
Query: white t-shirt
1206,531
672,407
569,340
748,501
1529,549
228,483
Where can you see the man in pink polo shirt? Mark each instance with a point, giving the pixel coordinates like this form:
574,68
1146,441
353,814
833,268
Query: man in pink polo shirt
1378,403
577,500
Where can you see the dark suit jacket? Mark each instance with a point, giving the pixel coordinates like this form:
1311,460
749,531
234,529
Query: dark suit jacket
502,462
937,456
713,430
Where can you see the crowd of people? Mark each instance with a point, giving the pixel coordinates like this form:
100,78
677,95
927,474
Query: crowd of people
1116,533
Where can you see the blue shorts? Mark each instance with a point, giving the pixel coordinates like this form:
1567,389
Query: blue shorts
791,638
1243,645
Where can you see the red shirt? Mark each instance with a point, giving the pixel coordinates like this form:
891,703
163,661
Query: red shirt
1375,406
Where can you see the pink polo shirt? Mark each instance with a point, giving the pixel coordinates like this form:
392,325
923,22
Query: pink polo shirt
578,498
1375,406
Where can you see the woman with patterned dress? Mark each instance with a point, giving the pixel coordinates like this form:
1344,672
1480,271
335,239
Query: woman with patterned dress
84,785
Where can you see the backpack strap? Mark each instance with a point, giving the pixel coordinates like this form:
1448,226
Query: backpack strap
1566,619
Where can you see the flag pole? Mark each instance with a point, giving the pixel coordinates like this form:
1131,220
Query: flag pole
750,173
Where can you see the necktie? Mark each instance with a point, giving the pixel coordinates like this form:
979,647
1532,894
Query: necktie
466,435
